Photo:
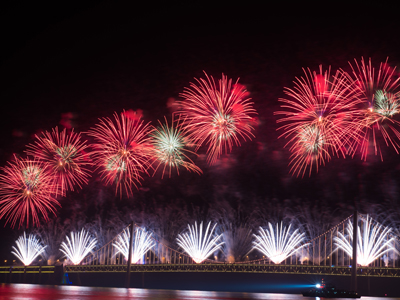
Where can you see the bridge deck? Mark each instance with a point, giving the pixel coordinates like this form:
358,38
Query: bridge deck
244,268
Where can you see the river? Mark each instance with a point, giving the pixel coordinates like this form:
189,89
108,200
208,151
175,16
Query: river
46,292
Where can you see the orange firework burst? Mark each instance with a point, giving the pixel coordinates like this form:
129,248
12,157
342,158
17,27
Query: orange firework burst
27,190
65,154
380,98
121,150
319,113
217,115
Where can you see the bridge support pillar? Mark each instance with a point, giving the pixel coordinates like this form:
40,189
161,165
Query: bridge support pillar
354,264
128,269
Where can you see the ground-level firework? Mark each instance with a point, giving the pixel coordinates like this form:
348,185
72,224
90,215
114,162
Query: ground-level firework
76,248
374,241
142,242
66,155
27,192
122,151
28,249
199,244
217,115
278,244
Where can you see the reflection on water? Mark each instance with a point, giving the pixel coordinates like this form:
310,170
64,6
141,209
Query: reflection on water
42,292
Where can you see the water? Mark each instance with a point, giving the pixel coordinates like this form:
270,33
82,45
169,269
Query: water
45,292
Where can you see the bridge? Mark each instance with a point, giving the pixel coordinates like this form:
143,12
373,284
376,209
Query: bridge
319,257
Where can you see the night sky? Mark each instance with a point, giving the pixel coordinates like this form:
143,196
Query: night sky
80,63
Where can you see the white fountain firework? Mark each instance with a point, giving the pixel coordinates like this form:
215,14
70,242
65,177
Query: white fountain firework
372,242
278,244
142,243
76,248
197,245
28,249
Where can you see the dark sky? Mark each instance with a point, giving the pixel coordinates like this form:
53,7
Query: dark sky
92,60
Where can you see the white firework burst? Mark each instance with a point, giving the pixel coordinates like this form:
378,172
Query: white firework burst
197,245
142,243
373,242
76,248
278,244
28,249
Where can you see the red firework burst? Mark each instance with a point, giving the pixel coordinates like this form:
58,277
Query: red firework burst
26,192
217,115
379,113
66,156
170,147
319,113
121,150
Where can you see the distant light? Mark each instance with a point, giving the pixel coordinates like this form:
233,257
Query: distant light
318,285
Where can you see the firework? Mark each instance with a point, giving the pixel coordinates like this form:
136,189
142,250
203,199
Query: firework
197,245
121,151
379,113
237,242
26,192
142,243
373,242
278,244
65,154
319,116
169,146
217,115
76,248
28,249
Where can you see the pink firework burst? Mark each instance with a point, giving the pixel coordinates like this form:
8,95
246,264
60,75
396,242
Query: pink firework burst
65,154
27,191
170,145
217,114
319,119
122,151
380,106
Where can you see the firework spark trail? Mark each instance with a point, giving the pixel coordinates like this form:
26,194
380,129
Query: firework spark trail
122,151
27,191
28,249
278,244
76,248
319,119
199,247
380,96
66,156
169,143
217,115
372,242
237,242
142,243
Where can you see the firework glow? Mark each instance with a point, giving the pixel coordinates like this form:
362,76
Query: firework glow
373,242
278,244
142,243
198,244
169,145
217,115
319,119
27,192
28,249
76,248
379,114
122,151
65,154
